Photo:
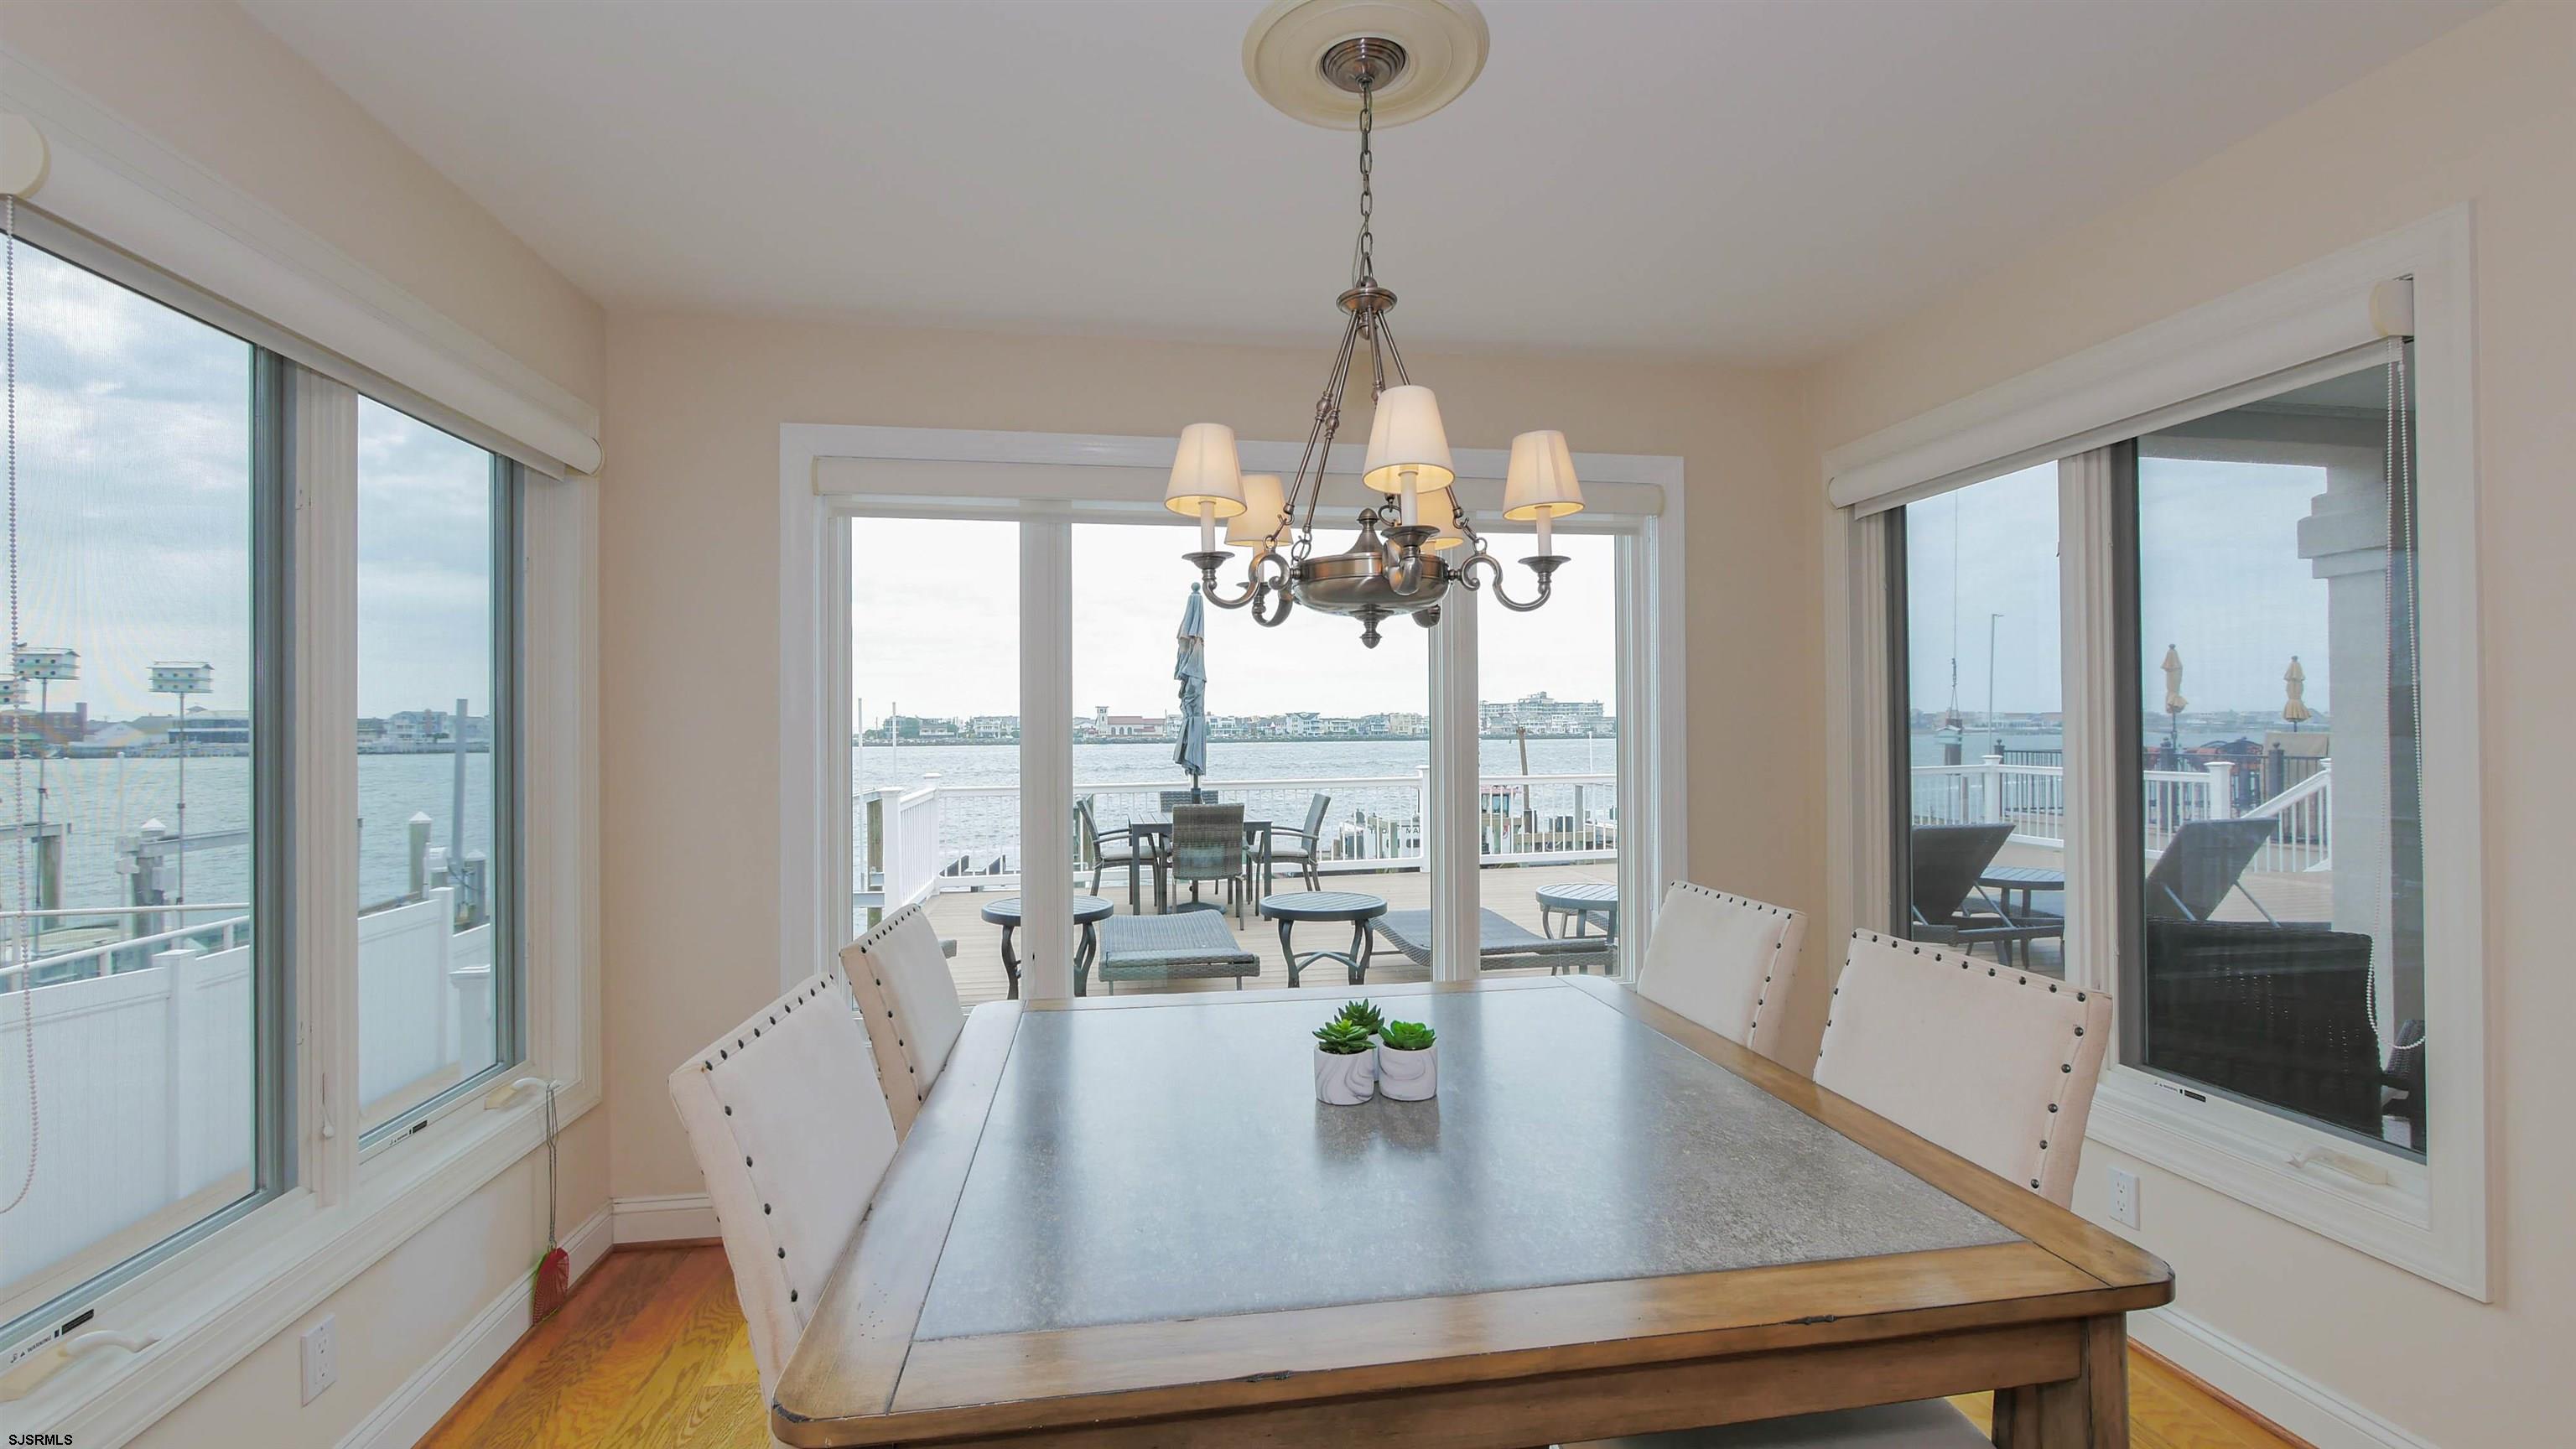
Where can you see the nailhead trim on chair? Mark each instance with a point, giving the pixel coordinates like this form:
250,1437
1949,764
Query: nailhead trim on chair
1786,916
2066,1069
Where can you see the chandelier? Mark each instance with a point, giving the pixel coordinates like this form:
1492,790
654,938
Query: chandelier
1416,543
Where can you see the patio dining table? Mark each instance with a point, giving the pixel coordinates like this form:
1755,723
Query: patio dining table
1420,1274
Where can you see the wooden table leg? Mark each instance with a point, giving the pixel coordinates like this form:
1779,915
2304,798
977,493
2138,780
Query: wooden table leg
2088,1411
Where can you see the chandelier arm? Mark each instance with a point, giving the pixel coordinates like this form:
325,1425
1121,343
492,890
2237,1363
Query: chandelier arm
1394,353
1545,568
1273,619
1319,437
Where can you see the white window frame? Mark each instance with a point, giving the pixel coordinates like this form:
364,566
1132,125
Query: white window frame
2428,1218
212,1303
1050,480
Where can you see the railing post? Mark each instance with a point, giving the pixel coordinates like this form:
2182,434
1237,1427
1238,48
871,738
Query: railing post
1422,812
2222,790
888,846
1993,813
416,849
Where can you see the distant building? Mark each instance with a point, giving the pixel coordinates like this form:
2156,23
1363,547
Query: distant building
994,727
1543,714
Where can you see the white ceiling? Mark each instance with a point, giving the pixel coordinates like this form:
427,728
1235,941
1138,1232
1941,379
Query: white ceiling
1757,180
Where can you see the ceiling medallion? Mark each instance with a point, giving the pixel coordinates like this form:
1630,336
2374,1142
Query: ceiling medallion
1306,58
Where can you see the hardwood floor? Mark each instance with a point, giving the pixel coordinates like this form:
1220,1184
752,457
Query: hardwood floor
650,1353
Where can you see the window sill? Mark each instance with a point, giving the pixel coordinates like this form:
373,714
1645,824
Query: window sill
213,1305
2264,1161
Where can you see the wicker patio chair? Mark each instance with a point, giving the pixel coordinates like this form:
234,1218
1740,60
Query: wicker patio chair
1207,846
1303,849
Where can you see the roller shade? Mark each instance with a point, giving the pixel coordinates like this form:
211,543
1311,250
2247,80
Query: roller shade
2119,390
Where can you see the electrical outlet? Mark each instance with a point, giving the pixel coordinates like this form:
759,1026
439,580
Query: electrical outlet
321,1359
2124,1197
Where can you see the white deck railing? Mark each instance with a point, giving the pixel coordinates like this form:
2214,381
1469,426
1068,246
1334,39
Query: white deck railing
937,836
144,1075
2032,800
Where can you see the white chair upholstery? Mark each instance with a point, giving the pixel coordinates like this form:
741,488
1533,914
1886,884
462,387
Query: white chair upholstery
1995,1064
792,1144
909,1001
1725,962
1923,1424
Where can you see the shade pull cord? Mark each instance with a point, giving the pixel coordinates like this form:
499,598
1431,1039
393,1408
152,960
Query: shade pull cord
22,944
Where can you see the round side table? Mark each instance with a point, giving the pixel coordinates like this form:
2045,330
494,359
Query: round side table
1582,900
1088,913
1351,907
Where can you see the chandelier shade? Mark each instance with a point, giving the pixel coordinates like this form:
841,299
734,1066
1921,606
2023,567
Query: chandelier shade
1405,434
1260,525
1207,476
1541,482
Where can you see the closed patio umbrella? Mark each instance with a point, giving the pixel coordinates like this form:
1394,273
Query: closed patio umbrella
2295,707
1190,668
2175,704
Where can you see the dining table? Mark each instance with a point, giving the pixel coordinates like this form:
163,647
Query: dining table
1122,1222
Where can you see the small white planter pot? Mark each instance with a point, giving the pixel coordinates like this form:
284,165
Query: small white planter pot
1345,1080
1408,1076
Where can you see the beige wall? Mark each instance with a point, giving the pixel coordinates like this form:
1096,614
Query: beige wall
206,80
2486,115
209,83
689,609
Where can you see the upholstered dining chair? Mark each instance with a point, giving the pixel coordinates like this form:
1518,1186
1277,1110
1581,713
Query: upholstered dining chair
1725,962
792,1144
899,977
1996,1065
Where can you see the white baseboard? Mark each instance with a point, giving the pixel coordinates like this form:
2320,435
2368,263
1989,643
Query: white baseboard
664,1219
2269,1387
407,1416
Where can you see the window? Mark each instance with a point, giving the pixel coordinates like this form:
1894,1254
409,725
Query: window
435,736
1547,721
2279,956
935,753
137,1063
1981,845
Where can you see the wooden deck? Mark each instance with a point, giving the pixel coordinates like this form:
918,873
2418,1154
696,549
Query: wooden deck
1509,890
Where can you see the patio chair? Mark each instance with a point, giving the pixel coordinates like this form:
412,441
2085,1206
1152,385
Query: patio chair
2203,861
1111,848
1207,846
1947,861
1303,849
1502,944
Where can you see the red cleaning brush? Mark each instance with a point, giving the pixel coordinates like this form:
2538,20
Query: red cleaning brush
554,1270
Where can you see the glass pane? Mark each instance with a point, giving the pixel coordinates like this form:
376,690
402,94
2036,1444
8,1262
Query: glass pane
1986,823
127,790
2282,908
428,883
1548,805
1322,744
935,770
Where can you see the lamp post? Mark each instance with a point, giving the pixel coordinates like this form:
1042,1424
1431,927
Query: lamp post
43,666
183,678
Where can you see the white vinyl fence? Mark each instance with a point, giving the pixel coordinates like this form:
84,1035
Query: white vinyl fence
144,1080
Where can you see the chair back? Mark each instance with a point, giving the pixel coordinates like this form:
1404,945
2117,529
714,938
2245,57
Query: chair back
1315,809
2200,866
792,1137
1207,841
1996,1065
1175,799
1086,828
1725,962
899,977
1946,860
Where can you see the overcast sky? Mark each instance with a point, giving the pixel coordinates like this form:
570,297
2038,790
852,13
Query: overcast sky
936,608
133,466
2219,578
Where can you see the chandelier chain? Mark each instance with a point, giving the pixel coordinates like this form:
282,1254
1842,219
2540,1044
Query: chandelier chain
1364,267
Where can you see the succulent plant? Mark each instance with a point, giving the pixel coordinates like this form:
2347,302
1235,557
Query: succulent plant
1342,1038
1364,1015
1408,1036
